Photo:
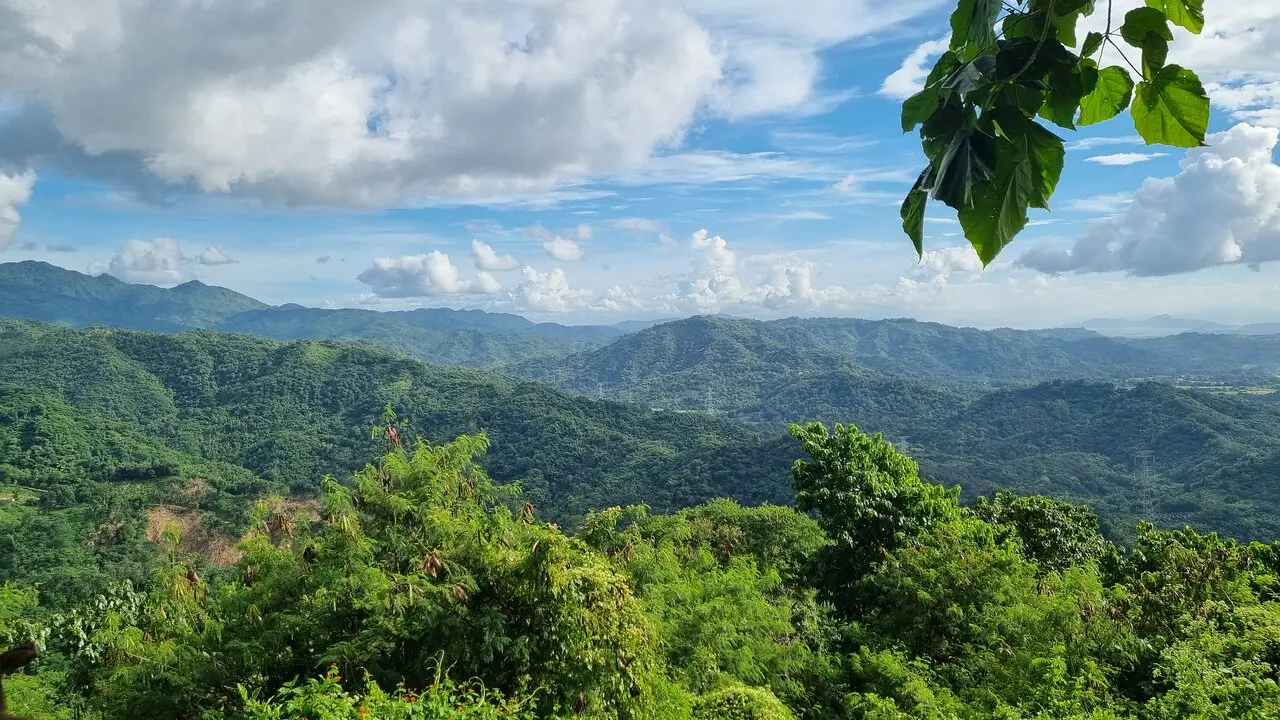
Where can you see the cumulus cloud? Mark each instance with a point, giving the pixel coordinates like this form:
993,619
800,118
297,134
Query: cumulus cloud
563,249
426,275
390,102
549,292
488,260
213,255
716,285
156,262
948,261
1222,208
1124,158
909,79
323,259
60,248
15,191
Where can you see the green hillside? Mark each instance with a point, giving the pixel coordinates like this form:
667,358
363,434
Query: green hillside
293,412
432,338
743,361
40,291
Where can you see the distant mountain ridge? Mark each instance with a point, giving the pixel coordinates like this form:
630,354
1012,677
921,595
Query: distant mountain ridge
1164,325
32,290
659,361
40,291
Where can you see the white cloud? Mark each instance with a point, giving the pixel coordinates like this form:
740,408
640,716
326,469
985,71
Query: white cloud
947,261
1090,143
563,249
488,260
1222,208
715,284
323,101
848,184
389,102
1124,158
909,79
639,224
15,191
548,292
720,166
790,216
1256,101
1104,204
425,275
156,262
487,284
214,255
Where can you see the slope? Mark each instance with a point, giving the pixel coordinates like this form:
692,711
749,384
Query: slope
40,291
291,412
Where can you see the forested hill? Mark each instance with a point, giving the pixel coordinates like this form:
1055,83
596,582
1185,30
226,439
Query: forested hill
666,363
733,364
293,412
39,291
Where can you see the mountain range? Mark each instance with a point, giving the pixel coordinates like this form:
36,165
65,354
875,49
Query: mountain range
667,413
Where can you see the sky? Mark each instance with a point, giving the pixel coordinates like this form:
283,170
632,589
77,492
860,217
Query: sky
589,161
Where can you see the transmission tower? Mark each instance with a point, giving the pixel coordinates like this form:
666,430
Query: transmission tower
1143,482
711,401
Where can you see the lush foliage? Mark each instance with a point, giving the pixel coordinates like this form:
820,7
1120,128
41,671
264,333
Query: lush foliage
292,412
970,418
418,588
1012,63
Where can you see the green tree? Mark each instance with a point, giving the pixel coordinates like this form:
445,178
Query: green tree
869,499
1056,535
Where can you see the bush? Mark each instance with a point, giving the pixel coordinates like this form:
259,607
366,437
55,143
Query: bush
741,703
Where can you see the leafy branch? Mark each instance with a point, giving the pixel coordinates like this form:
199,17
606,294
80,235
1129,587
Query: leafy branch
1012,63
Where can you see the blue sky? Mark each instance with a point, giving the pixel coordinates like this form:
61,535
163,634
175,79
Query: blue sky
590,162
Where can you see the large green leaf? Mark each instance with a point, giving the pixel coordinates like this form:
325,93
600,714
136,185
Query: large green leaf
913,213
973,23
1043,149
1066,88
1092,42
972,75
1183,13
1028,58
942,126
920,107
1111,94
1172,108
968,160
1139,22
999,209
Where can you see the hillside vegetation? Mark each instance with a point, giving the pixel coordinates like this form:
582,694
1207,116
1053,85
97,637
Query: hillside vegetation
289,413
293,412
418,588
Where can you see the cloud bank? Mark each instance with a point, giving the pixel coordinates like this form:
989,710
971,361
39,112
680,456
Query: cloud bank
1222,208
